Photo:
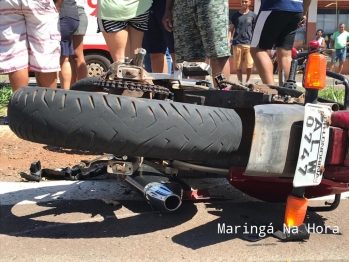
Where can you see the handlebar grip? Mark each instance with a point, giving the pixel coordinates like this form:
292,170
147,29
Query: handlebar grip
339,82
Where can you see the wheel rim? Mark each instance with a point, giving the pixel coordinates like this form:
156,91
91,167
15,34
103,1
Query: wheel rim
95,69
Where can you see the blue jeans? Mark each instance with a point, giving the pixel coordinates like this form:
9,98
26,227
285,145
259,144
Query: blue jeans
169,61
147,63
340,54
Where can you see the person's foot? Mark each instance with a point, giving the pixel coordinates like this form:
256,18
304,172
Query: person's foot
6,120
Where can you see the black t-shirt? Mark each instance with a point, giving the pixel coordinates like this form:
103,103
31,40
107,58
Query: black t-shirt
243,27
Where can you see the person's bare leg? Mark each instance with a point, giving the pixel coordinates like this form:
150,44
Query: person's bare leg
238,61
116,43
135,38
128,52
46,79
284,58
239,75
18,79
263,64
340,68
79,68
249,63
331,66
220,65
248,74
159,63
65,73
38,83
73,66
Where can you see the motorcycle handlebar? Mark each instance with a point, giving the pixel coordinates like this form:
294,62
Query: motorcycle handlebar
302,54
342,80
307,53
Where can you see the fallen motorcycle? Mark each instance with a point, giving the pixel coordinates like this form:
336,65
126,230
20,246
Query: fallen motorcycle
274,143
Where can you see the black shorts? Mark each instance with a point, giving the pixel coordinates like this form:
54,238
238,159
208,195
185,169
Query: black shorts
275,27
157,39
139,22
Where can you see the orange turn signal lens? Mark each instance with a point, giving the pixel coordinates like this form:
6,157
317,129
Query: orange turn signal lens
315,72
296,209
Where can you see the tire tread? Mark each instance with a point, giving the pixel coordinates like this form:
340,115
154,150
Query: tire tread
122,125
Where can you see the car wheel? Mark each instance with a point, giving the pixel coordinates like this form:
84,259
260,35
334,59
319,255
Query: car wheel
96,64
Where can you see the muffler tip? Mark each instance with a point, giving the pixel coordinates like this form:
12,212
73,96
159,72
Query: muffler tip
172,202
166,197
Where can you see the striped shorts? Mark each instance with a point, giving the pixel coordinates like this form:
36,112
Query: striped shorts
139,22
29,36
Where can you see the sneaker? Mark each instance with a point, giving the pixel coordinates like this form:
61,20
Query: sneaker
6,120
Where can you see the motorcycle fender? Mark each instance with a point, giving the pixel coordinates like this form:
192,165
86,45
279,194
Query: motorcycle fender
276,140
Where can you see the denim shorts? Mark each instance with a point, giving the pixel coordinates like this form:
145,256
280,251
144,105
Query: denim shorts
339,54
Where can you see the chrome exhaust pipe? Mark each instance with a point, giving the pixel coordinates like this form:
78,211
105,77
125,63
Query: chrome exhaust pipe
162,194
166,197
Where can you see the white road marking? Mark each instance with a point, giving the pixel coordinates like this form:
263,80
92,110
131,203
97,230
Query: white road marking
12,193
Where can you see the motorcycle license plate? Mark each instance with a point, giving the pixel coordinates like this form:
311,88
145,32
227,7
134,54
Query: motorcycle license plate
314,144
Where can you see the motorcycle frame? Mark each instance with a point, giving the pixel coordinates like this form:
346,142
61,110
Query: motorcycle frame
249,171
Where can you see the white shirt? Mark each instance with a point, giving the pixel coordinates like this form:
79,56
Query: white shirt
320,40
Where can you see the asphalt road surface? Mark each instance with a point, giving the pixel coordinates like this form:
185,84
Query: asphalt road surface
105,221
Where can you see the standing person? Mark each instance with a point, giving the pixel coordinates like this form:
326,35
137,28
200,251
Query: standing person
123,23
77,61
200,30
29,37
242,23
157,39
320,39
69,22
277,23
340,41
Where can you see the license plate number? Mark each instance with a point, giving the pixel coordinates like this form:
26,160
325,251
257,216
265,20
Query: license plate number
313,147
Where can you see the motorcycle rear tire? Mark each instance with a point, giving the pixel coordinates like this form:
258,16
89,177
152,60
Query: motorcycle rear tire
123,125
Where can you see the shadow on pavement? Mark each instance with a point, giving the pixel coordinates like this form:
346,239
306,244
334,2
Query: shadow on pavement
244,219
106,221
99,220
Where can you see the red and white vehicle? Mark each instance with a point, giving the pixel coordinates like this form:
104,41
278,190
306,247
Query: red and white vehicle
96,52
